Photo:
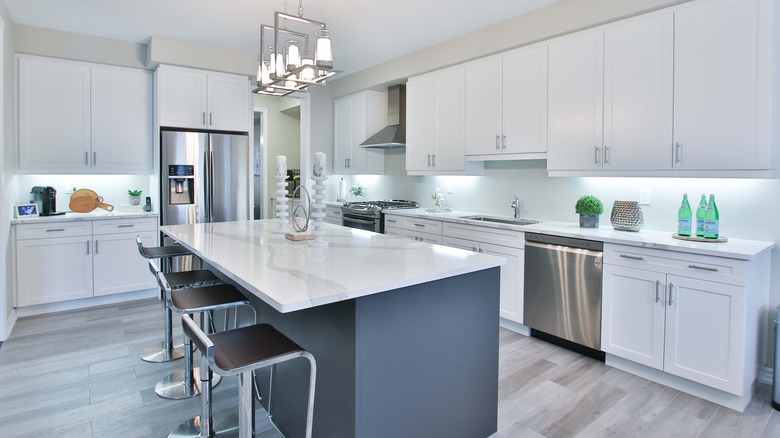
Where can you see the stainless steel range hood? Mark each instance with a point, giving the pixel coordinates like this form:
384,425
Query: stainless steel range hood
393,135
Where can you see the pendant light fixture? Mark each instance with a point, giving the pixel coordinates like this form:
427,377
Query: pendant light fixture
301,54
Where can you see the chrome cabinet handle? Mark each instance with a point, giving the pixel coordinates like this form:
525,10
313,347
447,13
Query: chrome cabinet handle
55,229
392,221
498,142
126,226
677,152
94,158
703,268
671,287
87,247
596,155
474,248
211,122
626,256
429,160
204,118
96,246
419,225
606,154
433,160
86,158
503,141
657,296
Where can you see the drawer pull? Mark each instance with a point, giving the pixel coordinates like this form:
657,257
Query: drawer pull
703,268
126,226
55,229
626,256
419,225
392,221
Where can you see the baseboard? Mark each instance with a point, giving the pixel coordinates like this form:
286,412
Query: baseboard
10,323
514,326
84,303
766,375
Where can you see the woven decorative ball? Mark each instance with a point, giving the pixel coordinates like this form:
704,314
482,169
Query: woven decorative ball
627,216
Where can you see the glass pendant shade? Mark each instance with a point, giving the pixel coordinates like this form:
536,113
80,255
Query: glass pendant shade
307,74
293,54
323,54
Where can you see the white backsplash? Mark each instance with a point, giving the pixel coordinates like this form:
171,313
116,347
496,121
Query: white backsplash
113,188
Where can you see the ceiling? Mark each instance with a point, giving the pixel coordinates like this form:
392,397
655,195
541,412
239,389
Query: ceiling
365,32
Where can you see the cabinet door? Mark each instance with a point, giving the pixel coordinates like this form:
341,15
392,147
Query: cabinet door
483,107
511,299
121,120
450,142
183,97
638,73
420,125
705,325
228,102
525,100
576,100
54,115
632,314
722,87
118,266
53,270
333,214
342,134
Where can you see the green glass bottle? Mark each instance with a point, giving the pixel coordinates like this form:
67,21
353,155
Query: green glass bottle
701,216
712,222
684,216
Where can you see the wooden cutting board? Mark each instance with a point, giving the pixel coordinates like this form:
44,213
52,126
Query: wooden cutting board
86,200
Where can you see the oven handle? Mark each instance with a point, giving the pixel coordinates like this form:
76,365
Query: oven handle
356,221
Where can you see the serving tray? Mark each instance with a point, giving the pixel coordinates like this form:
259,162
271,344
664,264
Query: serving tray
720,239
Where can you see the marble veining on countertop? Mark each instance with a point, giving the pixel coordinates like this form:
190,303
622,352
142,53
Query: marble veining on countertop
292,276
735,248
97,214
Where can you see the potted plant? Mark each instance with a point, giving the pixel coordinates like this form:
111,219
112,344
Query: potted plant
589,208
135,196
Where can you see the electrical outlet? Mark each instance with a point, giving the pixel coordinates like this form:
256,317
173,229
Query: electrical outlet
644,197
449,189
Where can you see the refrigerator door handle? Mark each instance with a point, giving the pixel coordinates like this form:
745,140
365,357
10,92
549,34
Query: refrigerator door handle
211,186
206,186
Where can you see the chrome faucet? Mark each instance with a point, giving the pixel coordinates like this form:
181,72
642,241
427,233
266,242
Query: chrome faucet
516,205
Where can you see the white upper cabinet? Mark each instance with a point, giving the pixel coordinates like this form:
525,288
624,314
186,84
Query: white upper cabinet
121,120
638,74
576,97
355,118
435,134
506,105
722,79
198,99
76,117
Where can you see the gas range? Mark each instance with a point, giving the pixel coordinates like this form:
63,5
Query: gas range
367,215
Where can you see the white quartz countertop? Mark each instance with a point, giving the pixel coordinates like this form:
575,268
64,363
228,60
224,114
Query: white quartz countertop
734,248
291,276
96,214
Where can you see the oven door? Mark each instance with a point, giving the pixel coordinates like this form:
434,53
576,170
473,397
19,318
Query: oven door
367,224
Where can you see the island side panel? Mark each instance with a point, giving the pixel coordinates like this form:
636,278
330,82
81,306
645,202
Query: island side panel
427,359
328,333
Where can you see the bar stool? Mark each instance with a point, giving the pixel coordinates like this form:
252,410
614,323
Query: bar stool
186,383
241,351
163,351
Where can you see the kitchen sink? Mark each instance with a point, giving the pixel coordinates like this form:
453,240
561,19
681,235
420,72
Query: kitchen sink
500,220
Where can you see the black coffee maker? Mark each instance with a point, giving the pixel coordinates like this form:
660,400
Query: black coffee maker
46,198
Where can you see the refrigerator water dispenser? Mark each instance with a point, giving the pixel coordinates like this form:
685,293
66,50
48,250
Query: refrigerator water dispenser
181,184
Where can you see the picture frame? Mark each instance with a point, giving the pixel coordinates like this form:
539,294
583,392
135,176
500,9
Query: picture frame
26,210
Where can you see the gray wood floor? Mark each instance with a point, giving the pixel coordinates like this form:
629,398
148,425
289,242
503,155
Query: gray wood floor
77,374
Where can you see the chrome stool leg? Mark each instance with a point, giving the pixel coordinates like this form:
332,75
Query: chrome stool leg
164,351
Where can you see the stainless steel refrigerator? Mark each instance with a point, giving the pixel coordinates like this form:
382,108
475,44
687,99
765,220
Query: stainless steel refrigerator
205,177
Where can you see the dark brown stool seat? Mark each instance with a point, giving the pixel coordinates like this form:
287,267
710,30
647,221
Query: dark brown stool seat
240,352
164,351
187,279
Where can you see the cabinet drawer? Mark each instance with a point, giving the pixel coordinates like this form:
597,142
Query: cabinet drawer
48,230
113,226
414,235
717,269
414,224
496,236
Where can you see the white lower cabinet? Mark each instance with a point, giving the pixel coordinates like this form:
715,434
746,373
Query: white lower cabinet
61,261
421,230
333,214
687,315
501,243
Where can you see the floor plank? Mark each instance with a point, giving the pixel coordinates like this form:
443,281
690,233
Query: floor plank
78,374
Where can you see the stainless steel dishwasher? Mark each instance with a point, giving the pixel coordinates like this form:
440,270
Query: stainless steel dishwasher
562,296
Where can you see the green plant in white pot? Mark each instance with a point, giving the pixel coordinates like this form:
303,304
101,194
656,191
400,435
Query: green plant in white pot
589,208
135,196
